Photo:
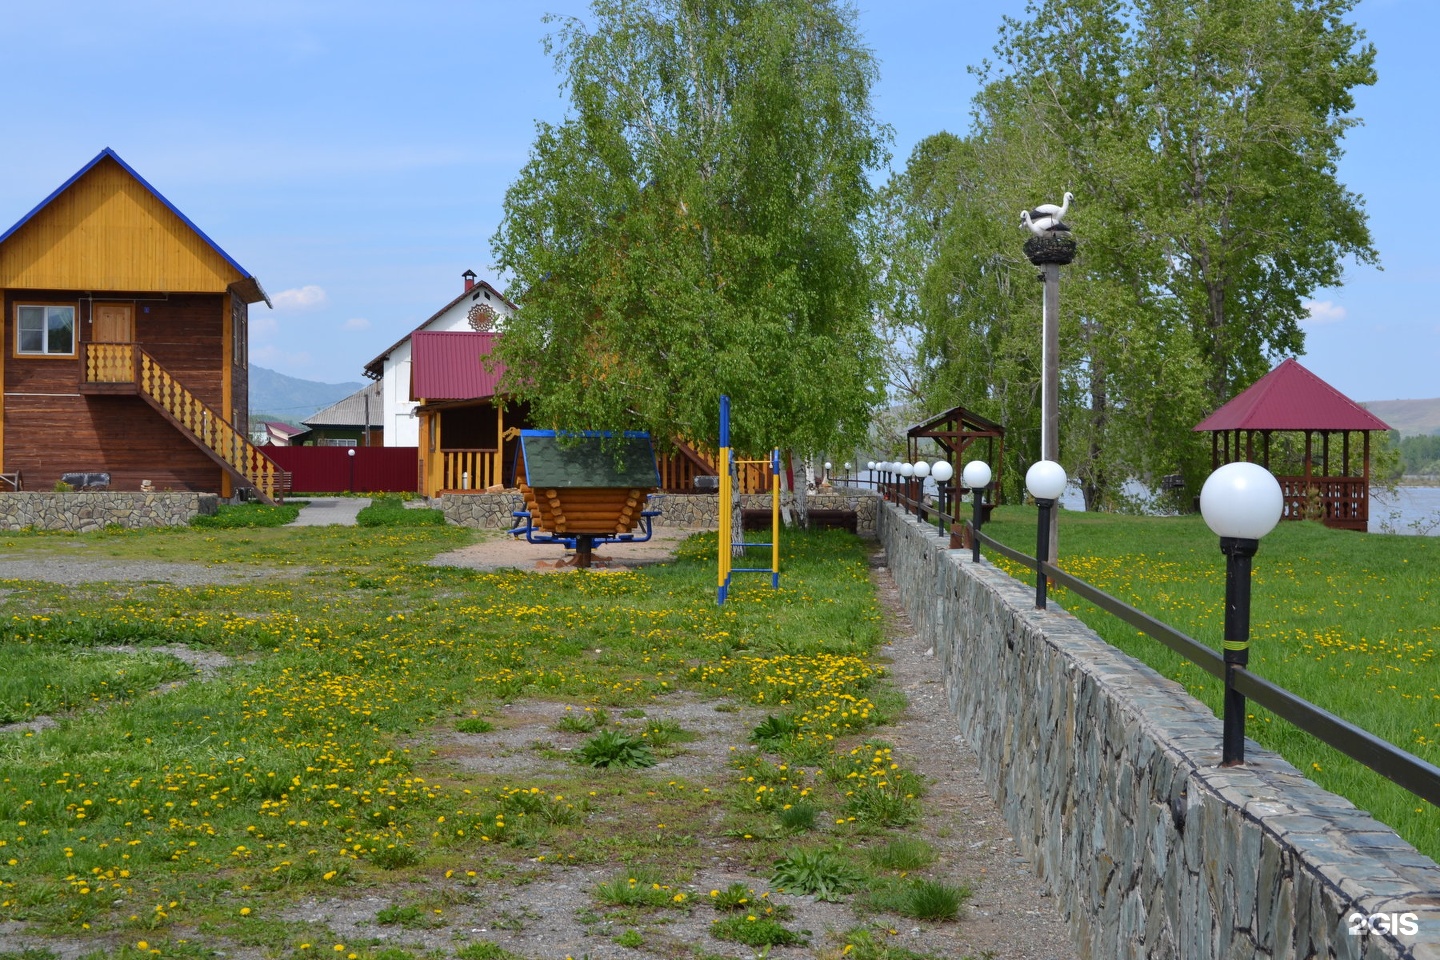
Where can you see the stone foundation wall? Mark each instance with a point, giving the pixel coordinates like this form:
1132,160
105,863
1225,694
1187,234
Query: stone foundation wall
1108,774
696,511
86,512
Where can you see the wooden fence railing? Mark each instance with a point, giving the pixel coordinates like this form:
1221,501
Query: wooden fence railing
1335,501
470,469
109,363
206,427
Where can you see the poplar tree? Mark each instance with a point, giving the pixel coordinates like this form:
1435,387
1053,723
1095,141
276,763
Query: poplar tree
691,228
1201,139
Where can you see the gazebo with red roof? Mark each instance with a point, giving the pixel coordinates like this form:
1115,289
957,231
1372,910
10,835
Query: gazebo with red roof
1290,400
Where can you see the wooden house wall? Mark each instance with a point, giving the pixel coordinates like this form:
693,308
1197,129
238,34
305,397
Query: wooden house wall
108,232
50,428
240,365
125,436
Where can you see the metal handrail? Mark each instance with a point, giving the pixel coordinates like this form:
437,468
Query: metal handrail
1419,776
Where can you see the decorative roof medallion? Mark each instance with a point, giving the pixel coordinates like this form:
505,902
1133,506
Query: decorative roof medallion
482,317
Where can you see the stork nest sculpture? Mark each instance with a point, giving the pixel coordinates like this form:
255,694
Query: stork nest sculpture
1057,248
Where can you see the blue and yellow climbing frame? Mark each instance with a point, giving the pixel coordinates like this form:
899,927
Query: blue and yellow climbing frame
730,539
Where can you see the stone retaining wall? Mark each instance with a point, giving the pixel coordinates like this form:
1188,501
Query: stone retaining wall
85,512
1108,774
697,511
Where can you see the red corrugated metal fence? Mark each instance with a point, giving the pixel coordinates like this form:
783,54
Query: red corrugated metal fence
333,470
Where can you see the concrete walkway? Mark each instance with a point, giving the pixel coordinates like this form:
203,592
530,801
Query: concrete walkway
329,511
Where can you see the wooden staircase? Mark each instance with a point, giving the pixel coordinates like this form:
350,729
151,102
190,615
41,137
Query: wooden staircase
125,368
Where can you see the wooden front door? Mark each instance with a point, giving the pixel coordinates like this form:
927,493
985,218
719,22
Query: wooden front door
113,323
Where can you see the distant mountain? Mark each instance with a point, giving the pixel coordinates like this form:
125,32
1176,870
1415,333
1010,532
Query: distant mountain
1413,418
274,396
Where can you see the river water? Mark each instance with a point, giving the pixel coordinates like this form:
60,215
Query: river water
1411,510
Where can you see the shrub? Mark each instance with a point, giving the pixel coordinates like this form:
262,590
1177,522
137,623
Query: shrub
615,748
818,872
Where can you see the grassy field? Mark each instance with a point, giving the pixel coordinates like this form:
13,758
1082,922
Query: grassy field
1348,621
318,764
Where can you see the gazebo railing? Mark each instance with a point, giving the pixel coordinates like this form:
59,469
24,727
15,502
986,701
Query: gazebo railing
1338,501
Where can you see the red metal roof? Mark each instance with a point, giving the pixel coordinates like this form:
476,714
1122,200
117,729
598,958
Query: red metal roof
445,365
1291,398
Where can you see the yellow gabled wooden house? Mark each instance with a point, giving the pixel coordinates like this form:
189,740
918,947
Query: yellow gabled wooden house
125,343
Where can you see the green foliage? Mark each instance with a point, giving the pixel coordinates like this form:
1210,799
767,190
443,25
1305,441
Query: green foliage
1201,143
862,944
758,931
639,887
691,230
905,853
823,873
1420,456
474,725
485,950
389,510
584,722
616,748
918,899
797,817
250,514
773,731
631,938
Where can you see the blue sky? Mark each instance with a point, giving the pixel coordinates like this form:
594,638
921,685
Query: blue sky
354,155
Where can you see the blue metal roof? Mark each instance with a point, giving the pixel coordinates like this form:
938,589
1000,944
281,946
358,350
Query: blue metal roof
107,152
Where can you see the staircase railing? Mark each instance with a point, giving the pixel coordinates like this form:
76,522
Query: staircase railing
208,429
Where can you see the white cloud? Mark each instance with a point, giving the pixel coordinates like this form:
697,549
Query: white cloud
285,361
356,323
263,325
301,298
1325,311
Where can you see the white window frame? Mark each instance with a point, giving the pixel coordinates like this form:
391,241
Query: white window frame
45,329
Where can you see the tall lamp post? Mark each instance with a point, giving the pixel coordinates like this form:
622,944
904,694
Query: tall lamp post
1046,481
1050,247
976,476
942,472
1241,502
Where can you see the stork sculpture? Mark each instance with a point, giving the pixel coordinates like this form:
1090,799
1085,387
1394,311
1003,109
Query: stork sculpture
1046,219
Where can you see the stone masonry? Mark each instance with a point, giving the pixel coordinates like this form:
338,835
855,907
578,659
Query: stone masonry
86,512
1109,776
697,511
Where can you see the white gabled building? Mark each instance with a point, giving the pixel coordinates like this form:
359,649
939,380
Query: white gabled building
479,307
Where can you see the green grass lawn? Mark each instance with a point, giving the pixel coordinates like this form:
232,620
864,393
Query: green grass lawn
314,764
1349,621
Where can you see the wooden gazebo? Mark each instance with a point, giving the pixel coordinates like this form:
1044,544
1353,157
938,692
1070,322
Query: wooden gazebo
954,431
1291,400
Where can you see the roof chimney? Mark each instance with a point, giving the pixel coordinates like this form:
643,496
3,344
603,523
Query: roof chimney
469,276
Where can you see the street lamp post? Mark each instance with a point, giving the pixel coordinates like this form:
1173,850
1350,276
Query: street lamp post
907,472
922,470
1046,481
976,476
942,472
1241,502
351,451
